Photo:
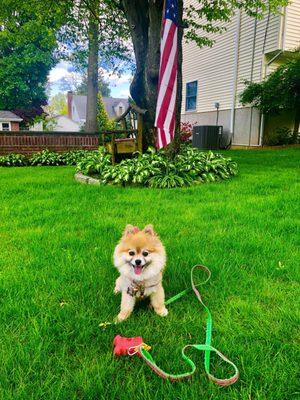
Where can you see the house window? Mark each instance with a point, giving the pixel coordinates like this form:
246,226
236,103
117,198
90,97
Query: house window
120,110
191,96
5,126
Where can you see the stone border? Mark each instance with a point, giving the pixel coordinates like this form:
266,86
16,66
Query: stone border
79,177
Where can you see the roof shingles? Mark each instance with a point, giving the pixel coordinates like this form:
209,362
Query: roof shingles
9,116
110,103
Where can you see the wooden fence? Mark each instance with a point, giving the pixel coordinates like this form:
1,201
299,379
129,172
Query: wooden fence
27,142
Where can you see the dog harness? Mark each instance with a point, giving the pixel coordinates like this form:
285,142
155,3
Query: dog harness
137,289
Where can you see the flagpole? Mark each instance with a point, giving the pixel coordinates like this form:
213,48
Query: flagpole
162,19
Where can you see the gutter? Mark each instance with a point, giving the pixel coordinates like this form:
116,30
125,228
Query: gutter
11,120
235,71
251,75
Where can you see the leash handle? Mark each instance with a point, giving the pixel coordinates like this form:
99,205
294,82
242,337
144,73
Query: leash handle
207,348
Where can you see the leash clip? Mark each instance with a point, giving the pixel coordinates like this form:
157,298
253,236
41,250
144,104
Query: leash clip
136,349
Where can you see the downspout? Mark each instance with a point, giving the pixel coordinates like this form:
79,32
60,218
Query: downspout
251,76
283,28
235,71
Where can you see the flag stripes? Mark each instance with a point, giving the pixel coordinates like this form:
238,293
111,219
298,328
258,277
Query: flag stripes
167,84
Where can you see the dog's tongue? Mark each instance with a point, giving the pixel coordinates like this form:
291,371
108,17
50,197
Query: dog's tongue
138,269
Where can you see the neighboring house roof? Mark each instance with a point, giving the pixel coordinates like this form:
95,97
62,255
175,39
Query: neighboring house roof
9,116
111,103
80,101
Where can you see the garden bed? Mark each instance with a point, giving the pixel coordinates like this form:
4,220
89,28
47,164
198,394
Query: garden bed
156,169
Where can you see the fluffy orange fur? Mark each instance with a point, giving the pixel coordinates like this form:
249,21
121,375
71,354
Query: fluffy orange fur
139,241
140,259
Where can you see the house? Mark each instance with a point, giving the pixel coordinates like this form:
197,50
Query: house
62,123
9,121
77,107
214,77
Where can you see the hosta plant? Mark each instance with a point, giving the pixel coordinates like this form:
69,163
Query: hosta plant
73,157
94,162
13,160
46,157
155,169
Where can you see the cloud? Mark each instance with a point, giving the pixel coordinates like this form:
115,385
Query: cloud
63,70
63,78
124,93
115,79
56,74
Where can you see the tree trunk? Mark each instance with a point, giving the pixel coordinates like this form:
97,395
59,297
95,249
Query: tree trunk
92,80
176,142
145,21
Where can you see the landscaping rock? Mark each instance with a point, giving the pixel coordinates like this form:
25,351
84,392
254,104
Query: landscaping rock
79,177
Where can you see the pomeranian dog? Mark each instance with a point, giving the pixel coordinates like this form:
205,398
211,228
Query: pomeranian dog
140,258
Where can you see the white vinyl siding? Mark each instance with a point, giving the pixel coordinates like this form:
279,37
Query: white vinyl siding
214,67
292,26
255,42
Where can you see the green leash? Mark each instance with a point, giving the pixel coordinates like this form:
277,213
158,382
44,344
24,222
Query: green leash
207,348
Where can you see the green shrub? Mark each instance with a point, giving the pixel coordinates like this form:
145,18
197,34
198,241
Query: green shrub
94,162
280,136
73,157
155,169
46,157
13,160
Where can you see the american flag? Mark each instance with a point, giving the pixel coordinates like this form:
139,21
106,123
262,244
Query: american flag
167,84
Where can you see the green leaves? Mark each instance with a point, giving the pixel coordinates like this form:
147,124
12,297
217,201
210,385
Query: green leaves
203,17
154,169
151,169
279,91
27,43
94,162
44,157
104,122
13,160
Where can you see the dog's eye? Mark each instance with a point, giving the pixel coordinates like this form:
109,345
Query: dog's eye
131,253
145,253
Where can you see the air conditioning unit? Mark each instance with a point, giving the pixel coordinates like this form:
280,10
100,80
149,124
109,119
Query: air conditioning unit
207,137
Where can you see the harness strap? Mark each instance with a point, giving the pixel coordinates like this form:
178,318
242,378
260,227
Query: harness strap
138,287
207,348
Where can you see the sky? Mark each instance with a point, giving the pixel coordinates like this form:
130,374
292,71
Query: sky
64,71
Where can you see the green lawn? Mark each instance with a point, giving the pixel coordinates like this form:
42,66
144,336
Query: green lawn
57,239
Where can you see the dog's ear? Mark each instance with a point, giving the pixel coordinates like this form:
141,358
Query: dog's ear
149,230
129,230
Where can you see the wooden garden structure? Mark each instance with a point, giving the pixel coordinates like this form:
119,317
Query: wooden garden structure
131,122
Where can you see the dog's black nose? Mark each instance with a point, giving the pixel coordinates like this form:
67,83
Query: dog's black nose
138,262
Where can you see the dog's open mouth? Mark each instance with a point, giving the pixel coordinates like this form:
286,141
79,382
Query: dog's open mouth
138,269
